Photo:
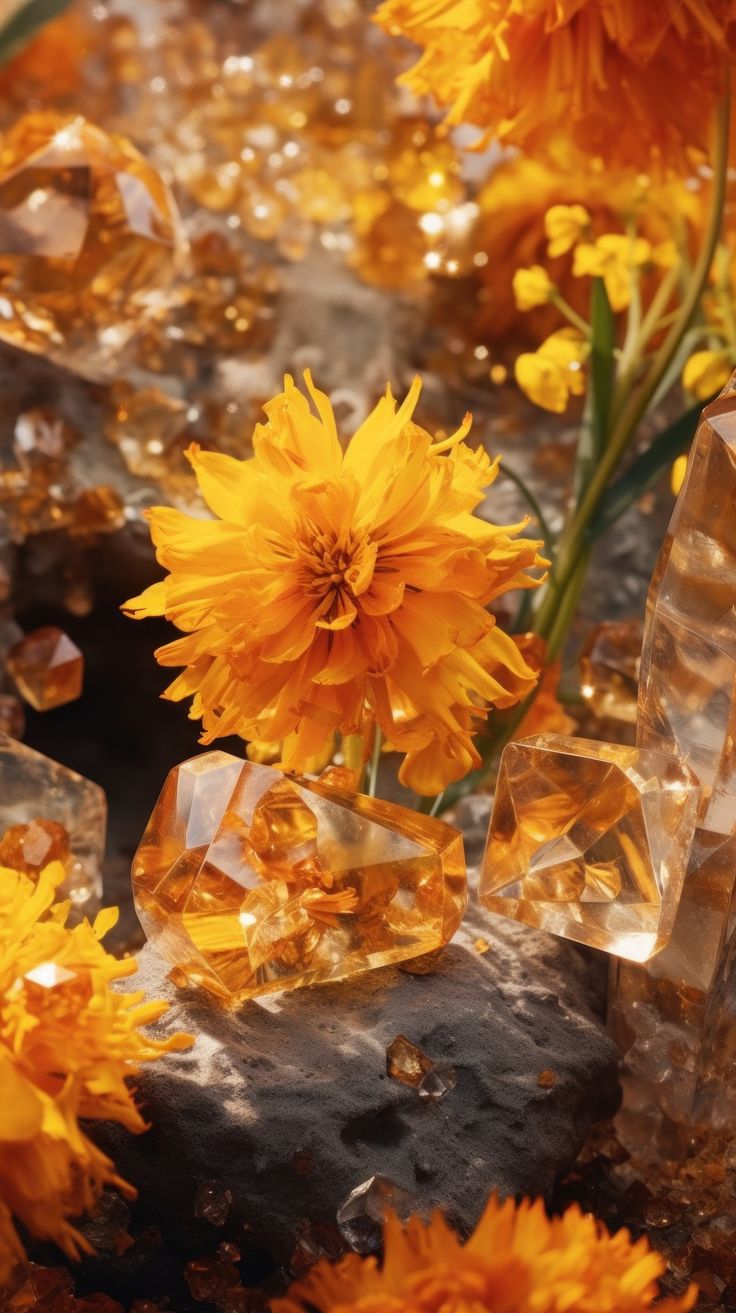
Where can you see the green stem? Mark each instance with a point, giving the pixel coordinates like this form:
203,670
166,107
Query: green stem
573,538
530,499
571,315
375,762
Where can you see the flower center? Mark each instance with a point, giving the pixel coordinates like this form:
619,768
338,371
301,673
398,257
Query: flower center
334,562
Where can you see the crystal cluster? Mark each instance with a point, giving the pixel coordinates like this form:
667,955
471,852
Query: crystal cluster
46,667
249,881
50,813
406,1063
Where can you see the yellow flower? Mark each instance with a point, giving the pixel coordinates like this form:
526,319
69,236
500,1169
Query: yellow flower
517,1261
706,372
532,287
554,372
69,1042
677,476
521,69
341,586
615,258
564,226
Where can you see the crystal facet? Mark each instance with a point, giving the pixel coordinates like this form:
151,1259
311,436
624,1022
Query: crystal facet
609,669
406,1063
590,841
47,668
249,881
88,240
72,828
360,1216
674,1020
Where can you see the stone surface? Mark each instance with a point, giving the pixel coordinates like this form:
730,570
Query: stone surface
88,240
287,1104
48,811
249,882
675,1021
590,841
47,668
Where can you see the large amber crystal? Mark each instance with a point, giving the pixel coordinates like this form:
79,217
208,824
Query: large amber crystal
674,1019
249,881
89,240
590,841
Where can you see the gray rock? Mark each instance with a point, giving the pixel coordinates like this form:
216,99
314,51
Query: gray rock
300,1079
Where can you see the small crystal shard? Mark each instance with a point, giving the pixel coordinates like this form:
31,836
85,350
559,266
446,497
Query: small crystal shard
360,1216
89,242
213,1202
12,719
249,881
211,1278
437,1082
609,669
47,668
42,439
405,1062
72,828
49,975
590,841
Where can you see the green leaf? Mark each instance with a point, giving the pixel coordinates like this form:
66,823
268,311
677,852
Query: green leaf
647,469
594,432
22,26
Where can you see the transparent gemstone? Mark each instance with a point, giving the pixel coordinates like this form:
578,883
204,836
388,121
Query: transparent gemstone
437,1082
47,668
249,881
405,1062
609,669
49,975
213,1202
360,1217
71,804
590,841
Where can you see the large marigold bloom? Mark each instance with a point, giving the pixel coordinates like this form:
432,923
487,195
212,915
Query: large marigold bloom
69,1043
518,69
517,1261
336,586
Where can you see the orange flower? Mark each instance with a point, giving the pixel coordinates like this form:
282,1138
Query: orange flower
546,715
518,69
69,1043
517,1261
336,588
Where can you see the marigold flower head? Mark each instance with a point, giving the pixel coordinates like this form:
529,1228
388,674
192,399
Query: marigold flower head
518,69
517,1261
68,1044
338,586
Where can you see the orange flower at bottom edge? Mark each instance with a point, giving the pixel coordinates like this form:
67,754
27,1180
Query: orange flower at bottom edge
517,1261
546,715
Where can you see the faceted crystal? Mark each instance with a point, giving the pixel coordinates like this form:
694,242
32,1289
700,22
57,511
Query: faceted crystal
213,1202
249,881
88,240
47,668
360,1216
609,669
71,827
590,841
675,1021
406,1063
437,1082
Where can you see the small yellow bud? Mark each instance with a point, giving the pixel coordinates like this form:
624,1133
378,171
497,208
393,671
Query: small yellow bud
554,373
707,372
677,475
532,287
564,226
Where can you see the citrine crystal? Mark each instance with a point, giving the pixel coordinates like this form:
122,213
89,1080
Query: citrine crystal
71,829
609,669
405,1062
47,668
360,1217
674,1019
590,841
249,881
88,240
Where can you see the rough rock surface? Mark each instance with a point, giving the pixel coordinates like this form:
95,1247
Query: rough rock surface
287,1102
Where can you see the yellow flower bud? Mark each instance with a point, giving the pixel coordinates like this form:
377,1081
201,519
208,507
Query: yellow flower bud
532,287
554,373
707,372
614,257
677,475
565,225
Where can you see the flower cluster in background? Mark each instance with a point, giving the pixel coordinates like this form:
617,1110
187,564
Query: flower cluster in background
69,1041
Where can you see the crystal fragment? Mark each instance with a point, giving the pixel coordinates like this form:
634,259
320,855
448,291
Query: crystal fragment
674,1020
88,240
437,1082
12,719
49,975
547,1079
42,438
35,1289
30,847
609,669
360,1216
107,1225
47,668
211,1278
249,881
75,816
405,1062
213,1202
590,841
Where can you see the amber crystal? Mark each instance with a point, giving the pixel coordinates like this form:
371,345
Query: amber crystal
590,841
609,669
70,829
12,719
405,1062
88,240
47,668
674,1020
249,881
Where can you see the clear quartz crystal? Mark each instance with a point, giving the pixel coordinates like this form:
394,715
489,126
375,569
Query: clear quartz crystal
674,1019
360,1216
